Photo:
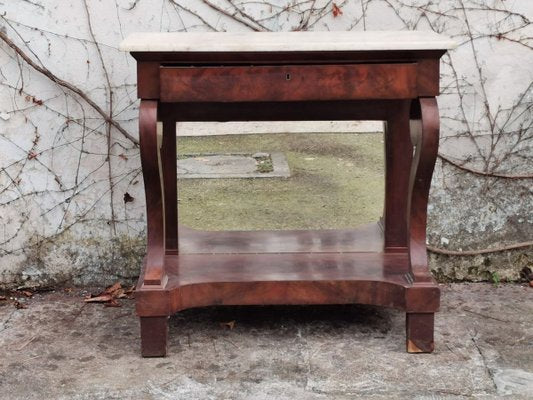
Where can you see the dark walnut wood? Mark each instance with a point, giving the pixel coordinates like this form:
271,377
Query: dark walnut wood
382,264
155,201
288,82
154,334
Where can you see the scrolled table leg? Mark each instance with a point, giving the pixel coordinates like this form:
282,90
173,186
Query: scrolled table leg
425,137
154,272
422,298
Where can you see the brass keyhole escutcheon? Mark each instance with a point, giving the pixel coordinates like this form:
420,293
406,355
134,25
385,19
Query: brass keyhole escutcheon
288,77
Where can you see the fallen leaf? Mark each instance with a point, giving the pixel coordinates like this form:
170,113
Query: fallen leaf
110,295
230,325
112,288
336,10
32,155
27,293
99,299
123,156
531,283
3,298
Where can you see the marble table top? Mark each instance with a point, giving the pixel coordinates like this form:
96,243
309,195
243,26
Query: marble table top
285,41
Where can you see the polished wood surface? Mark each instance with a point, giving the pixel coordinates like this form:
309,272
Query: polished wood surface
419,332
170,172
288,82
155,202
154,335
382,264
425,137
197,280
366,238
398,157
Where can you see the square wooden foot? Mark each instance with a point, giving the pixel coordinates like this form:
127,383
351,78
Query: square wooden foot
419,332
154,334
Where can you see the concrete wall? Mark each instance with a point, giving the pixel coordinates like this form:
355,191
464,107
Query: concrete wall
64,170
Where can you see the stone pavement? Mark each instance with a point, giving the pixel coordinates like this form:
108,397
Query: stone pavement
60,348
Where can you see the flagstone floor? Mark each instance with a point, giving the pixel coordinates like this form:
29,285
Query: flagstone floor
59,347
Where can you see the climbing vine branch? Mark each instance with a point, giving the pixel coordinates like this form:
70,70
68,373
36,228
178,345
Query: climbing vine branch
54,78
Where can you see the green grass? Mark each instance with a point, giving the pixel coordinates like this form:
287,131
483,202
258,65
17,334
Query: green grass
336,182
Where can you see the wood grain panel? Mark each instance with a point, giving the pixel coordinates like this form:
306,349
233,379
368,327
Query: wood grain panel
288,83
148,80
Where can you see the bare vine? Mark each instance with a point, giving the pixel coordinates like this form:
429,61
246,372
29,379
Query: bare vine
498,249
54,78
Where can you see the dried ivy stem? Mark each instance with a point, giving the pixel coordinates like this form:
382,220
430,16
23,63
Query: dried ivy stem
482,173
108,130
481,251
54,78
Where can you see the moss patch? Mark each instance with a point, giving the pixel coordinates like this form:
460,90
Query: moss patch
264,164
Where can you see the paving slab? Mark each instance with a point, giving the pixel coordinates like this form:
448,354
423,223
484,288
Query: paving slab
61,348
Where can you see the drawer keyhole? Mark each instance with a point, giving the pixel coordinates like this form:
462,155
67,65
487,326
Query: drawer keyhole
288,77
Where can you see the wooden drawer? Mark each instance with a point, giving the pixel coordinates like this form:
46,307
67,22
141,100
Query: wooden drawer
288,83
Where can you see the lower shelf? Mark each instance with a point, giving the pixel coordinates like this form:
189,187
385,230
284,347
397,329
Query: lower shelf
193,269
286,267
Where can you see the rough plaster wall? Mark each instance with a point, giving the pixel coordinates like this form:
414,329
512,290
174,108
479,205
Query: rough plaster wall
64,170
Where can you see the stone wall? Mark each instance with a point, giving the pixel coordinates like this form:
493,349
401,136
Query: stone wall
68,127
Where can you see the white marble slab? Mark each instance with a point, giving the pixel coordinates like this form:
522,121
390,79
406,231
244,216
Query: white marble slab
286,41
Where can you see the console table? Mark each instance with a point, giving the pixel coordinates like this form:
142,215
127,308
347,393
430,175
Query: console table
388,76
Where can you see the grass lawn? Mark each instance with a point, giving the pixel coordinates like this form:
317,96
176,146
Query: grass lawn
336,182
